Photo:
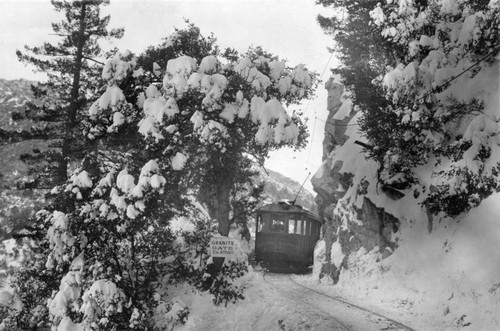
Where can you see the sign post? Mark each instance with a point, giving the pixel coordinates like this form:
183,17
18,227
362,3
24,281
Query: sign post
222,247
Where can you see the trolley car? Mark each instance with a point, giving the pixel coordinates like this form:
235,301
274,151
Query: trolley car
285,237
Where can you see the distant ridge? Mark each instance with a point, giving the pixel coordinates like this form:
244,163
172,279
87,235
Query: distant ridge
279,187
14,94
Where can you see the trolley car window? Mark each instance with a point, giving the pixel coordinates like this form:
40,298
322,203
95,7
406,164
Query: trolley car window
291,226
282,223
265,223
272,223
299,227
278,225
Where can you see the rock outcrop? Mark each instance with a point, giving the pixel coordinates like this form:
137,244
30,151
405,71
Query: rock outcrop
328,178
346,225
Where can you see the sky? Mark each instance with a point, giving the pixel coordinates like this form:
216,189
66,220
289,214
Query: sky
287,28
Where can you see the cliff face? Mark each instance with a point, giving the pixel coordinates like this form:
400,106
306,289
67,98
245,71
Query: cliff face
373,227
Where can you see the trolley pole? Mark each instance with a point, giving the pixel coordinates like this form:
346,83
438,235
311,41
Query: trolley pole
300,189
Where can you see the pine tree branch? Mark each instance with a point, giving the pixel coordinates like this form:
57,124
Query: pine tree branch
363,144
59,34
10,138
28,232
91,59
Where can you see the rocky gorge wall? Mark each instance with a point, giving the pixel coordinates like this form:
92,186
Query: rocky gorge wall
347,227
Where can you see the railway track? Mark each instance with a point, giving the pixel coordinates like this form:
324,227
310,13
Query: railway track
348,315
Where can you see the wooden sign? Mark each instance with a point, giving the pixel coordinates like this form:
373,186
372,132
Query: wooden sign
222,246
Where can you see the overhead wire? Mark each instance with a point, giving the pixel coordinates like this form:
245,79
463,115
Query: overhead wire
315,117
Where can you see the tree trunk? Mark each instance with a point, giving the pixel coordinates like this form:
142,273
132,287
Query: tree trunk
215,194
74,102
222,207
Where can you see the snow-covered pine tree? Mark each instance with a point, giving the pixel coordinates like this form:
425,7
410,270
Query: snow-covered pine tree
417,70
72,65
187,41
200,119
214,119
210,117
111,244
364,53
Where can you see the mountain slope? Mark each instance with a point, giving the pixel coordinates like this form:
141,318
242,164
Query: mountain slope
16,206
14,94
279,187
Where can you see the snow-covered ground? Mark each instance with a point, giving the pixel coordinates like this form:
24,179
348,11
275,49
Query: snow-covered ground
275,302
428,284
264,308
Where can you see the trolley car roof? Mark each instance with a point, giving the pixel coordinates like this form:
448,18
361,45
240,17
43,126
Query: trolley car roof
283,207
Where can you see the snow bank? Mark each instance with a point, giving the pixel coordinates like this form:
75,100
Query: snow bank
444,280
